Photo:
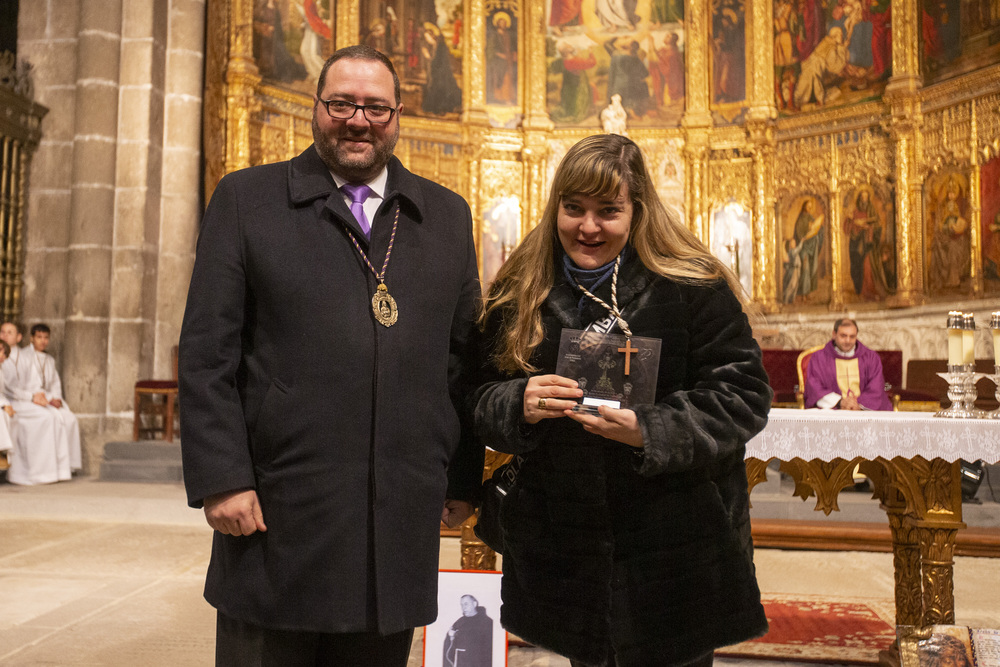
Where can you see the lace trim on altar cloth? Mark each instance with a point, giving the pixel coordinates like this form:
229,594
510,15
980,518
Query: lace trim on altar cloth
829,434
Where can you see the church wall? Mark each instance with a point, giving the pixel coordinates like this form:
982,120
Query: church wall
117,187
115,194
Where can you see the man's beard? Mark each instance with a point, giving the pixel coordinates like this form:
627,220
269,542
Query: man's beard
354,168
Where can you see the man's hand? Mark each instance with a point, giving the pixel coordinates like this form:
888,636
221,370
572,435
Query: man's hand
455,512
235,512
9,409
39,399
56,403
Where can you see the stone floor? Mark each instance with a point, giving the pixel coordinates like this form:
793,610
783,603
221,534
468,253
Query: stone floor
108,574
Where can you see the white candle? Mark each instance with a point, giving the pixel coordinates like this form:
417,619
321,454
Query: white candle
954,338
969,340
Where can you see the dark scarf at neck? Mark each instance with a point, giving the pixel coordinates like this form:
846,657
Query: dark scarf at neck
592,279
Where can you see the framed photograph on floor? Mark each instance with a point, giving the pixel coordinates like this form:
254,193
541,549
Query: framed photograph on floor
467,632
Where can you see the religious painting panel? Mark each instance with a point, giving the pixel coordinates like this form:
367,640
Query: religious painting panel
803,250
989,186
728,58
948,234
501,54
423,38
732,241
291,41
598,50
830,54
869,228
499,235
958,36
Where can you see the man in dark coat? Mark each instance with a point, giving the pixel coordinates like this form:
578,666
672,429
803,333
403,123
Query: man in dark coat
319,372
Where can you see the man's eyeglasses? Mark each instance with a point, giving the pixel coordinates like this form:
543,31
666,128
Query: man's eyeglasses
344,110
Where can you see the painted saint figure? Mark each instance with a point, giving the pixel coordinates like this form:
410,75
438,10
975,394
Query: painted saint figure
501,61
951,259
441,93
576,100
866,248
808,237
821,70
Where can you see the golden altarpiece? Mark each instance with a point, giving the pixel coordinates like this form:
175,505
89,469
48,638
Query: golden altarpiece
20,132
836,156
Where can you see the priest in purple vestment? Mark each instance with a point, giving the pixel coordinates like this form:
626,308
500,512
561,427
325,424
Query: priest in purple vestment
845,374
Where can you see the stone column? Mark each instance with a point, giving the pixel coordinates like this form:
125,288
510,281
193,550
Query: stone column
181,201
92,214
48,41
136,221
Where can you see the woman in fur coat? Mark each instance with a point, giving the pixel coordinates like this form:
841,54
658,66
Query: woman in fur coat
626,535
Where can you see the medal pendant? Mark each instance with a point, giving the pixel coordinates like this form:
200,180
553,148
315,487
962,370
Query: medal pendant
384,306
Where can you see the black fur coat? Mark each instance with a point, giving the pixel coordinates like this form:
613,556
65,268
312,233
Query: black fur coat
651,554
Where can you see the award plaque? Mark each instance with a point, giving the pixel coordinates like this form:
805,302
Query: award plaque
612,369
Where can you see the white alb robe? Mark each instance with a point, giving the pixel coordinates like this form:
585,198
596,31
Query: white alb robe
52,386
40,454
6,441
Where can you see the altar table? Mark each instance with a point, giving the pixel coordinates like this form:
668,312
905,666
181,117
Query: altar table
912,461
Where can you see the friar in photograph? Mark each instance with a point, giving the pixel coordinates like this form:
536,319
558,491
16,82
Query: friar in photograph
469,642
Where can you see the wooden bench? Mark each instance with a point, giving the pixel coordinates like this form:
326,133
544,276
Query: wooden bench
922,377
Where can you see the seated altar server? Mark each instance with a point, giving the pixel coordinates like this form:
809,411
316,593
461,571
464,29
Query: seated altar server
845,374
40,454
52,386
6,411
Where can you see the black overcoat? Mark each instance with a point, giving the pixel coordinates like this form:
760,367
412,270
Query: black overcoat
649,553
344,427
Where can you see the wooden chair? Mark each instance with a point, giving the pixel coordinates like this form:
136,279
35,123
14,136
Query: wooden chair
801,364
781,375
156,406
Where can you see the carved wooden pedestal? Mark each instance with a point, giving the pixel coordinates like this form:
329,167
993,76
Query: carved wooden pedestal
923,502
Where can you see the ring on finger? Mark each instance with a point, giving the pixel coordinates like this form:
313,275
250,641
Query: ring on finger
541,404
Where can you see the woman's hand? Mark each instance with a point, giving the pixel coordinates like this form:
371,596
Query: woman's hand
614,424
549,396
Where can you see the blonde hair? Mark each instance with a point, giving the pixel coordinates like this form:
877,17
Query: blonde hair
597,166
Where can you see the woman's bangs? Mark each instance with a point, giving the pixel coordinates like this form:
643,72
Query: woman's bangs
596,177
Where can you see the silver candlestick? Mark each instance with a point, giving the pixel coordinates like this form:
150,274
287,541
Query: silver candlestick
959,378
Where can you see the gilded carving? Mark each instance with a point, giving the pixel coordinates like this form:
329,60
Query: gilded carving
938,548
696,93
475,554
756,472
906,566
825,479
730,178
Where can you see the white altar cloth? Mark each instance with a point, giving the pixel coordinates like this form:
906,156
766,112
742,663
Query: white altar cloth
830,434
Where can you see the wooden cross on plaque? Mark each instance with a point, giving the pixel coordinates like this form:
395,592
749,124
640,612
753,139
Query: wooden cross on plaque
629,351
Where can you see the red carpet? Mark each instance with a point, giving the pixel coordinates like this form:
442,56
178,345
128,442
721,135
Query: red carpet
822,629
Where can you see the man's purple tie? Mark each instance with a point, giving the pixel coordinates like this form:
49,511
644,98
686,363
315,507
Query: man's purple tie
359,192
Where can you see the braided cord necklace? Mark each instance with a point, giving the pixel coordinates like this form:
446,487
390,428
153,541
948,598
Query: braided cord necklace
613,308
383,305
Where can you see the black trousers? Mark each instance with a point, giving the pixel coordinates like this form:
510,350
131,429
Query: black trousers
704,661
239,644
